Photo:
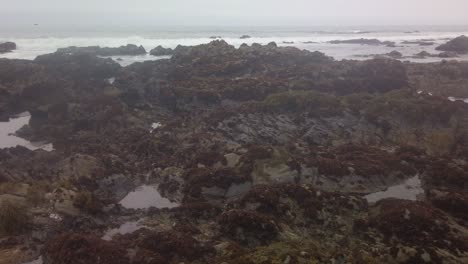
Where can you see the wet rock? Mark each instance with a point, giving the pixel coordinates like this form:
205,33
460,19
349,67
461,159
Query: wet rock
63,201
248,226
415,223
395,54
450,202
174,245
7,47
129,50
419,42
458,45
212,184
245,37
161,51
79,249
79,66
423,54
448,54
81,166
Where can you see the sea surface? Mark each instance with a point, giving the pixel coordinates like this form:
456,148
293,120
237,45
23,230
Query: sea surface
35,40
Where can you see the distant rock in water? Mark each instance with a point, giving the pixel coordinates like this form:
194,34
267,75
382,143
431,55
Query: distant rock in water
418,42
395,54
161,51
7,47
459,45
245,37
128,50
288,42
448,54
423,54
363,41
216,37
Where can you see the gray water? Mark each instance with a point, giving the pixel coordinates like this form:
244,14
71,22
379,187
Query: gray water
145,197
8,138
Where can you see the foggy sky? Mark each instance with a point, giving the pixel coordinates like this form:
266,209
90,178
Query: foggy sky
235,12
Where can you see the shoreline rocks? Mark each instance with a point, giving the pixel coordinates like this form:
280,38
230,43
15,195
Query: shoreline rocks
266,152
161,51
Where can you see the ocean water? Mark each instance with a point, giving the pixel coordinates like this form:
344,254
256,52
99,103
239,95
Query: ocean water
36,40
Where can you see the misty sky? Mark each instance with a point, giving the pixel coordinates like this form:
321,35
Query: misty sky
234,12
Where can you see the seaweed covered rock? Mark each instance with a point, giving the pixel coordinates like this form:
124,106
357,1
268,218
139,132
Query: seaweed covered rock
248,226
416,224
74,248
450,202
81,66
377,75
174,246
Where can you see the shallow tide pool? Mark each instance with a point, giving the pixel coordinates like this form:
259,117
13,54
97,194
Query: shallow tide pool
409,190
144,197
9,140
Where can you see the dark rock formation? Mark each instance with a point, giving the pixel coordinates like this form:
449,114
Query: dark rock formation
129,49
458,45
423,54
418,42
7,47
362,41
448,54
161,51
80,249
245,37
395,54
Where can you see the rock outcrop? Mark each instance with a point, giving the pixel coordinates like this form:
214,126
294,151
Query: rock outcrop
128,50
458,45
7,47
161,51
362,41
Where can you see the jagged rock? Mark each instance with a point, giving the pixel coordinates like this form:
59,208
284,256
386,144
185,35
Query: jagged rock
161,51
458,45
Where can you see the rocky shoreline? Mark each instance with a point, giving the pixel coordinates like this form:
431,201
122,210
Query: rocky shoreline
263,154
